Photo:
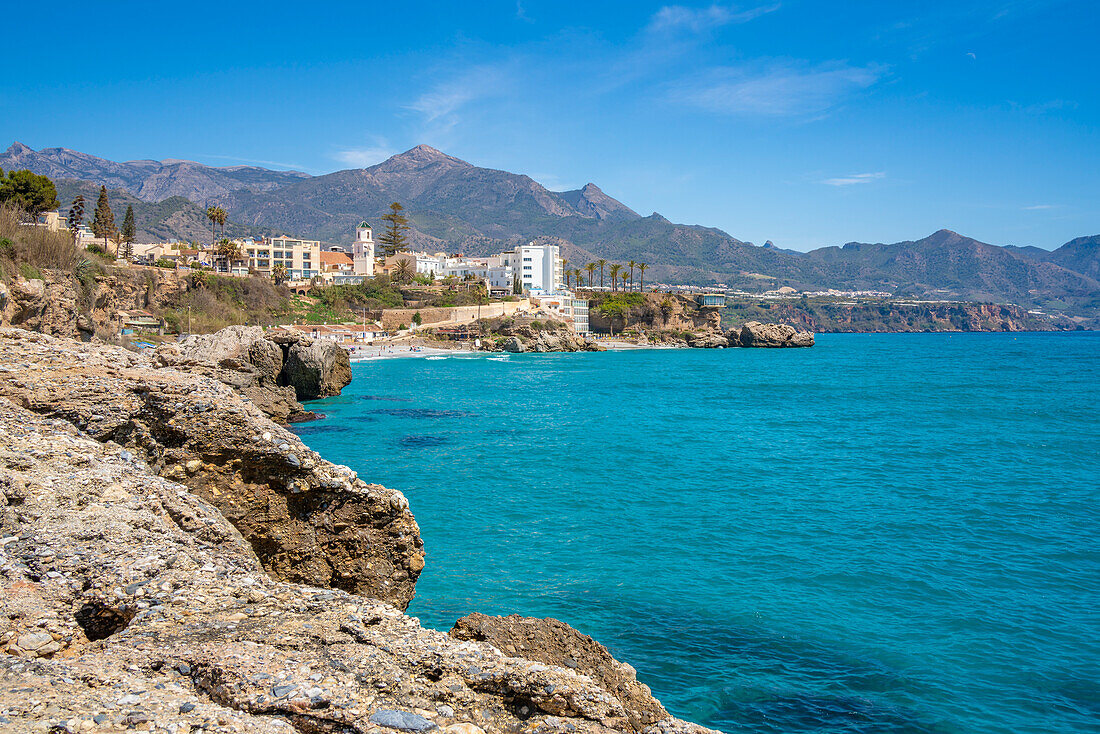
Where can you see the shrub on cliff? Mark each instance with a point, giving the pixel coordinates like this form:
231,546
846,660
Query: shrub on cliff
37,247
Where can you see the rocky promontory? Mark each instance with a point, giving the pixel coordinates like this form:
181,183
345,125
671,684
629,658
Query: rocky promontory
307,520
173,561
273,369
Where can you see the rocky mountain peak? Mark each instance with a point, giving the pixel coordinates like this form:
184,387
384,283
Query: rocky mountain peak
425,154
17,148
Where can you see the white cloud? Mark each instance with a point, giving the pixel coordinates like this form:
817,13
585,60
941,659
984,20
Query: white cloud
364,157
856,178
442,103
777,88
1040,207
697,20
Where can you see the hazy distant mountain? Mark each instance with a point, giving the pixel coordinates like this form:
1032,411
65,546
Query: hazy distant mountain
146,180
1081,254
457,206
950,265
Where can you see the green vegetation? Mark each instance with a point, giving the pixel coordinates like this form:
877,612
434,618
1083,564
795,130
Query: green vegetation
29,272
217,216
103,221
394,238
127,235
37,248
28,192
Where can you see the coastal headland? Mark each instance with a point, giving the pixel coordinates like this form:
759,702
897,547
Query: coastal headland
173,560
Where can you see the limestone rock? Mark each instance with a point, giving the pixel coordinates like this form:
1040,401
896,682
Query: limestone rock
160,618
554,642
274,370
520,339
756,334
316,368
60,305
309,521
241,357
708,340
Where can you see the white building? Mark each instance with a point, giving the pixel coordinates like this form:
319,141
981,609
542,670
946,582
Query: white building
539,267
362,250
565,307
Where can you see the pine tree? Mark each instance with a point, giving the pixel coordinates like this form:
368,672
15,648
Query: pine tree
76,217
103,221
127,235
393,240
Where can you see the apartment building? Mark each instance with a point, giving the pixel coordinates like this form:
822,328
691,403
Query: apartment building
302,258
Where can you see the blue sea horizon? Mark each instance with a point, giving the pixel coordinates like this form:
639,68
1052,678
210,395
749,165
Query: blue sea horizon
883,533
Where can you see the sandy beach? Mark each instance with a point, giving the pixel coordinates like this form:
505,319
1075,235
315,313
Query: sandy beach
370,354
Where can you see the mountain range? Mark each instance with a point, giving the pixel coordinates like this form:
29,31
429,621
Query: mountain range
456,206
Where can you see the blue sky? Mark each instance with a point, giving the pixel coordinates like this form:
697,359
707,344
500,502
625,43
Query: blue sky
807,123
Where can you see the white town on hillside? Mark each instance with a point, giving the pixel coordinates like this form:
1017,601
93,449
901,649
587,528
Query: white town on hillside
533,271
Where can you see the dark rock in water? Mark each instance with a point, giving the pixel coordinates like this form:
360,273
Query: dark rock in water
421,413
422,442
553,642
402,720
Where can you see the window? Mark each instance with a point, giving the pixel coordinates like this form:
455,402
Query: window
526,267
526,259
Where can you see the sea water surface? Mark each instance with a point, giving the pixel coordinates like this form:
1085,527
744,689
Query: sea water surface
884,533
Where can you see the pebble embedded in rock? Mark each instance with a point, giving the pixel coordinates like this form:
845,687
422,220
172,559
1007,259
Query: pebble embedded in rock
403,720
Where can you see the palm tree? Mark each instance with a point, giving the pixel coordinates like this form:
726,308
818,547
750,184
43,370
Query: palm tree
641,276
229,250
591,268
622,276
615,268
403,271
279,273
666,310
212,215
601,262
632,265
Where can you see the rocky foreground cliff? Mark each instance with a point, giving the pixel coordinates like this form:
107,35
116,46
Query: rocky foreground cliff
171,560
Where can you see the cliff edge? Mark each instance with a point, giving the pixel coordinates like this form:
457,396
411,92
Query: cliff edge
307,520
131,603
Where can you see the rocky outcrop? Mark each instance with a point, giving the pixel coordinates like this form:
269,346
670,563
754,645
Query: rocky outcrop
129,603
238,356
524,338
60,305
274,370
315,368
554,642
756,334
308,521
709,340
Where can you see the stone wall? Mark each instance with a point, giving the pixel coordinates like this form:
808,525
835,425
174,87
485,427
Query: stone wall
392,318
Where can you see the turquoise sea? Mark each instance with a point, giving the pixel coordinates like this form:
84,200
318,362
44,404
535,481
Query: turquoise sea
884,533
